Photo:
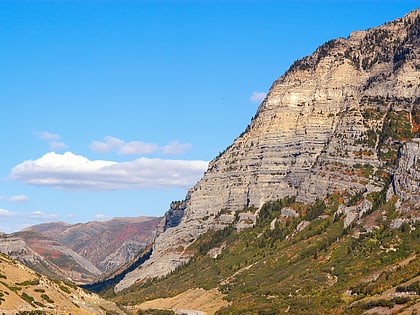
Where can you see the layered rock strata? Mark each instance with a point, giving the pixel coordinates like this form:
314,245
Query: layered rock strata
407,175
326,126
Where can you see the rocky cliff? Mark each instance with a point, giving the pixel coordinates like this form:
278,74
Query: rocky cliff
343,121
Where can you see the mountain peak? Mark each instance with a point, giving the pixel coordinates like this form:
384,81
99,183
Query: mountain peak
340,122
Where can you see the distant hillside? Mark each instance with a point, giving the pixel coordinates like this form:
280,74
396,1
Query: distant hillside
107,244
48,257
80,252
23,291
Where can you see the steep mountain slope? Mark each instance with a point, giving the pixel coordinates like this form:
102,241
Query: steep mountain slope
80,252
23,290
106,244
48,257
342,122
308,264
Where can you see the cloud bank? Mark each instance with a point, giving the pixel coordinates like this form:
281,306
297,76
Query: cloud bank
76,172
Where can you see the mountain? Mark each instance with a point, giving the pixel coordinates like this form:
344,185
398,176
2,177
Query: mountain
342,122
107,244
48,257
80,252
313,209
23,291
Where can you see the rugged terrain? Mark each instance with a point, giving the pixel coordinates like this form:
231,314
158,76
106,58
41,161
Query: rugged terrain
340,126
80,252
314,208
281,268
107,244
48,257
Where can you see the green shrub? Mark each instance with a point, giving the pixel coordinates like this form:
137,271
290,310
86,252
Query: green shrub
65,289
47,298
412,287
155,312
27,298
28,283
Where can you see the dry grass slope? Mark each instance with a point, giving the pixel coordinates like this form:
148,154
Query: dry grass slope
207,301
22,289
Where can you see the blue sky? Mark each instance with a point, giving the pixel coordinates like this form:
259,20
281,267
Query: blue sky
114,108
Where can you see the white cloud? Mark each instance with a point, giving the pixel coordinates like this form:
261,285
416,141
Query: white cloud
5,213
52,140
39,215
137,148
19,198
257,97
15,221
45,135
176,148
57,145
70,171
112,144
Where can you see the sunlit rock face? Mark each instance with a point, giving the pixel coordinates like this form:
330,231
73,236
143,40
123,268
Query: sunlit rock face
407,174
325,127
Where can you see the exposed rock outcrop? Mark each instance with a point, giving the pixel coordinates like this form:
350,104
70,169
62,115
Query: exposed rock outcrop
407,174
354,212
332,124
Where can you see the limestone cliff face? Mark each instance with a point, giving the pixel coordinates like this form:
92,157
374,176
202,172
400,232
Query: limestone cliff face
333,123
407,175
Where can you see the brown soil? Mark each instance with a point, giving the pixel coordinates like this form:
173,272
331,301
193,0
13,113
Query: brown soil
207,301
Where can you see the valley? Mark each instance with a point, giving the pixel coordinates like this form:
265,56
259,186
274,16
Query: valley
313,209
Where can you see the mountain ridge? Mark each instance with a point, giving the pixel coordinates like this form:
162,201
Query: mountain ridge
314,208
107,244
334,123
80,252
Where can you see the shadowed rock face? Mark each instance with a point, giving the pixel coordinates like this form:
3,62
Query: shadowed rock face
333,123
